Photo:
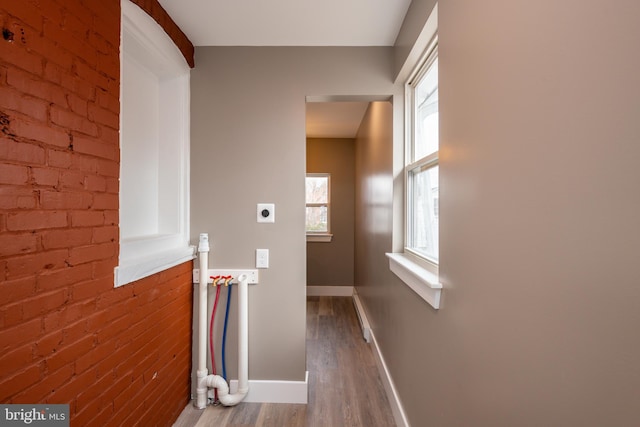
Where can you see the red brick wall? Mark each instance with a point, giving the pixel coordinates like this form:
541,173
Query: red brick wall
116,356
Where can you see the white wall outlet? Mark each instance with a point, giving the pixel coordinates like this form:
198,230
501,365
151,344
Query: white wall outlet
262,258
266,212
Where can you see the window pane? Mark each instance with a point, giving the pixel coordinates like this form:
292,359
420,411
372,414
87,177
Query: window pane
317,219
426,114
424,212
317,189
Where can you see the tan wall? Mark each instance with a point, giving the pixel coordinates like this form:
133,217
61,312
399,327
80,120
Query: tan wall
539,224
374,201
414,21
332,263
248,146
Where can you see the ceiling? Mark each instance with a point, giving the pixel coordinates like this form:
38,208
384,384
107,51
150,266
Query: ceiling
334,119
296,23
289,22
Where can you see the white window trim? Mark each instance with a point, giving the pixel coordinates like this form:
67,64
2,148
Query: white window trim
319,237
149,254
322,236
417,272
422,281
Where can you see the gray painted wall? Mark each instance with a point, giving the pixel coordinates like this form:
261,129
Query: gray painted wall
539,224
374,211
248,146
414,21
331,263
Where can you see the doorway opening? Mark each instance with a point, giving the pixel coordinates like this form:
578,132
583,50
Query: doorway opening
333,138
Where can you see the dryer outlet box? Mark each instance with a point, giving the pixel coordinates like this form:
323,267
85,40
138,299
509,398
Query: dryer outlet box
266,212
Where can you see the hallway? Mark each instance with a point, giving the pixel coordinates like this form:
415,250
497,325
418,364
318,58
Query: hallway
344,386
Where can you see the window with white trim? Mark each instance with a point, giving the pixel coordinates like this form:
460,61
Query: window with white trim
417,265
421,170
318,206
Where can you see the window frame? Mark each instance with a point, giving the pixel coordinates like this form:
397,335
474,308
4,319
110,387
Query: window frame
419,274
320,236
411,164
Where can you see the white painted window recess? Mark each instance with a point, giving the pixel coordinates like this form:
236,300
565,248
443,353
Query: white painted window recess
154,150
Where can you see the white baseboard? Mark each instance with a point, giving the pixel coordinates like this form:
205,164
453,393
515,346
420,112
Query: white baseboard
362,317
329,291
394,400
264,391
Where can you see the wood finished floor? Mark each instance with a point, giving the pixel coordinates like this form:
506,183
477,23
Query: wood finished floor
344,386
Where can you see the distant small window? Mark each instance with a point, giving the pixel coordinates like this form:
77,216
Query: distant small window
318,204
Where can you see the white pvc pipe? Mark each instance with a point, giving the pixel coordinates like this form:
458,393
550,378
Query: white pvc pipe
201,391
205,381
243,336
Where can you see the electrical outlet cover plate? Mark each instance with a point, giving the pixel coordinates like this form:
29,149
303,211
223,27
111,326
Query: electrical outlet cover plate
262,258
266,212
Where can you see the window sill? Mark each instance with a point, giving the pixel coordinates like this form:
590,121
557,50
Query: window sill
133,269
323,238
422,281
